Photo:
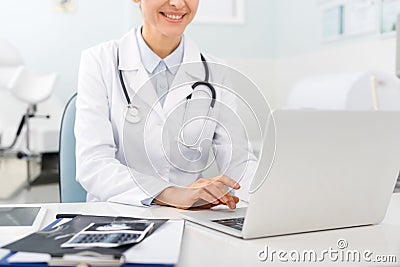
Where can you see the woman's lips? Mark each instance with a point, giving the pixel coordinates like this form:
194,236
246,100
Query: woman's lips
173,17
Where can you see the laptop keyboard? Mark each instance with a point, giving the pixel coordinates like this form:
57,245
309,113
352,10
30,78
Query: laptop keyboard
235,223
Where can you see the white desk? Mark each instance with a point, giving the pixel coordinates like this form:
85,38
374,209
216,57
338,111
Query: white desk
206,247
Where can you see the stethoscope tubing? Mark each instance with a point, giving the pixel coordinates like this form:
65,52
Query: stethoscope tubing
206,83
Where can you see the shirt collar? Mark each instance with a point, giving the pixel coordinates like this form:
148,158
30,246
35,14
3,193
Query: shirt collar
151,60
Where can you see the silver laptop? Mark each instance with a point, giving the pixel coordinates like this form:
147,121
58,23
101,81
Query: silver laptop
331,169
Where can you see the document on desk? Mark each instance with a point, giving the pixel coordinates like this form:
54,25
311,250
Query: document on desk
152,250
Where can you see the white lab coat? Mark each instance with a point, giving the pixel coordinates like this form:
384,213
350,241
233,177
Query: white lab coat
127,163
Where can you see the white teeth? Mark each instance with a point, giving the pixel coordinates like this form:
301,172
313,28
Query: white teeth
173,16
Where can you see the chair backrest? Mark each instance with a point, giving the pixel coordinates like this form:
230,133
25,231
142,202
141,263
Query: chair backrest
70,189
32,88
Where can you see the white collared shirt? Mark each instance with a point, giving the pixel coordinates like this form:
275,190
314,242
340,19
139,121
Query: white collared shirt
161,71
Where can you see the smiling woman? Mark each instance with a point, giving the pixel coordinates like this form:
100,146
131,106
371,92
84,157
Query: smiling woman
127,146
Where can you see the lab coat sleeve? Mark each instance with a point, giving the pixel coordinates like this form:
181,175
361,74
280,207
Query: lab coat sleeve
233,150
103,176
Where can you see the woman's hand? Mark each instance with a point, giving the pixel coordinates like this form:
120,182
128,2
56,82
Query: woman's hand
204,193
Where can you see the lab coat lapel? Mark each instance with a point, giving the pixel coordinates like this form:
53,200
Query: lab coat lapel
190,71
142,87
136,77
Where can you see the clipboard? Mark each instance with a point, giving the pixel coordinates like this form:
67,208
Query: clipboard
170,227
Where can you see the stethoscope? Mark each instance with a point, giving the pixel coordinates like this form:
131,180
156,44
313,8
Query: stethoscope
132,114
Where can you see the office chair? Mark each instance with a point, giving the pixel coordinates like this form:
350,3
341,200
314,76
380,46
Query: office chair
70,189
29,88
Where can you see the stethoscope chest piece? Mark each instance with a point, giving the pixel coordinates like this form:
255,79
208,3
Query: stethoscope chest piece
132,114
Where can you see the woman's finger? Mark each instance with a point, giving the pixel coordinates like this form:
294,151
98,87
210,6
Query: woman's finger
219,191
205,195
227,181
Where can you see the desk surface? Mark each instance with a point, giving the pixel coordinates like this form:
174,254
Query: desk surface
205,247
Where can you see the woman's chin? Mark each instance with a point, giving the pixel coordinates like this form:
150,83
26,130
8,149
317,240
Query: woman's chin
173,33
